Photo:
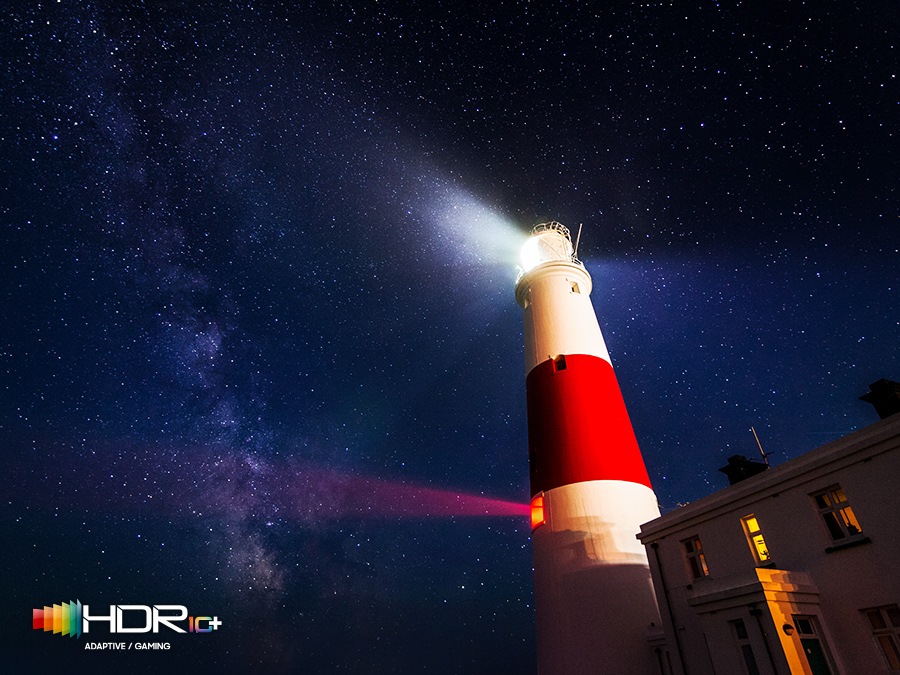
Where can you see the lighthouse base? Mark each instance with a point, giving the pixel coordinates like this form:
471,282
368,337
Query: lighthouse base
594,598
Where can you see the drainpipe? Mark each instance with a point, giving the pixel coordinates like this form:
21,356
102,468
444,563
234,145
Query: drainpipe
671,616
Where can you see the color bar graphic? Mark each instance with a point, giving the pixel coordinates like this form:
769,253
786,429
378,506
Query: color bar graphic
64,619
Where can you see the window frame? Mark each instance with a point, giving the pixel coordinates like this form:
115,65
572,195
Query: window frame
890,633
752,542
695,558
837,515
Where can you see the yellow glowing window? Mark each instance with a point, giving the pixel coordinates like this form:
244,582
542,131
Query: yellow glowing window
838,515
537,511
755,537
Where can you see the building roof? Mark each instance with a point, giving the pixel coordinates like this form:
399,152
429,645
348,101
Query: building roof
868,442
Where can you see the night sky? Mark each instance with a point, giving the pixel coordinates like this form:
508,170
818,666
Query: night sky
261,355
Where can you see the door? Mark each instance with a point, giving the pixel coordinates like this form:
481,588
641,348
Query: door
813,647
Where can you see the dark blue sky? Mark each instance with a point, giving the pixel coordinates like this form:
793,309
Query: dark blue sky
258,263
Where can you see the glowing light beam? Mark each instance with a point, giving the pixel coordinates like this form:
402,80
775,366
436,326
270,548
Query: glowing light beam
249,487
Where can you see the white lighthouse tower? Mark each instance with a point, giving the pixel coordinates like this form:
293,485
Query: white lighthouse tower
589,488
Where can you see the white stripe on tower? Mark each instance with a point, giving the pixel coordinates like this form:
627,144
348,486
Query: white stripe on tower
590,490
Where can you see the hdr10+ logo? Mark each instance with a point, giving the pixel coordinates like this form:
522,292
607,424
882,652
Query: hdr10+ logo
73,619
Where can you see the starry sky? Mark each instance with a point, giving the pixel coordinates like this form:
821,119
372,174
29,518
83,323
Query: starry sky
261,354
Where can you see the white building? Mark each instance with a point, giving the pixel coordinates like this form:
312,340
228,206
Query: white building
793,570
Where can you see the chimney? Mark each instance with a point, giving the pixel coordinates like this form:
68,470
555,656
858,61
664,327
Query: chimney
885,396
740,468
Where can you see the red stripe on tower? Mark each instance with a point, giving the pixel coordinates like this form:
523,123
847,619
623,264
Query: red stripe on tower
578,427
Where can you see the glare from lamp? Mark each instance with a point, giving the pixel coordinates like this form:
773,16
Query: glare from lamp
545,247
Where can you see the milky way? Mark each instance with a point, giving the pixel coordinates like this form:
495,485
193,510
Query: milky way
261,352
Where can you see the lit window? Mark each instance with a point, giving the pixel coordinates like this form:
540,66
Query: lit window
537,511
837,514
739,630
693,553
755,538
885,622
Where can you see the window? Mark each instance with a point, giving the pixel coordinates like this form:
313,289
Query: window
755,538
574,287
837,514
537,511
885,622
739,630
693,553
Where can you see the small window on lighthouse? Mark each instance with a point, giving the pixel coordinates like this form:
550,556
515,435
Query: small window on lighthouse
559,362
575,288
537,511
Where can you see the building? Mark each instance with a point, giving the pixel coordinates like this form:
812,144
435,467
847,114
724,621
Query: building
789,570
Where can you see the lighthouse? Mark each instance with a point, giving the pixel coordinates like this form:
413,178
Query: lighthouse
590,491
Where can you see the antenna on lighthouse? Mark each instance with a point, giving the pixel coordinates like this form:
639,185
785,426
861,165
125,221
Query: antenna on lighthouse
577,240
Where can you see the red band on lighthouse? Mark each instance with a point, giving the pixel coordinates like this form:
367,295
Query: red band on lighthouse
578,427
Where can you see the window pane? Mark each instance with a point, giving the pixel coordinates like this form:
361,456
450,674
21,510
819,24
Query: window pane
894,615
890,651
740,629
804,627
822,501
839,495
833,526
876,619
761,549
752,525
695,568
850,520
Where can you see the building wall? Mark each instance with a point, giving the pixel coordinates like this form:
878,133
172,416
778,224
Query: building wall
808,574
